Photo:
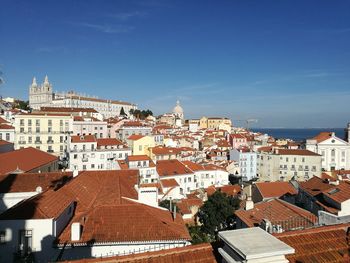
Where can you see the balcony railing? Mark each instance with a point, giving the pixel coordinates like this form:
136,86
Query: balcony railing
21,142
85,159
50,151
50,141
38,142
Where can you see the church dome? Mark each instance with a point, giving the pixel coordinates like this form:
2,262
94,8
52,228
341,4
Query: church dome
178,109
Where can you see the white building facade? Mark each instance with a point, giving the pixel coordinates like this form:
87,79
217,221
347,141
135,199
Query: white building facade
335,151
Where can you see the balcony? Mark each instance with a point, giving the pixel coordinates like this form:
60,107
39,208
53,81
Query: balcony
50,141
50,151
85,159
37,142
21,142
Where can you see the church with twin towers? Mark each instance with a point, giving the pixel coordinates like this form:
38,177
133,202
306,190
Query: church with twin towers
43,96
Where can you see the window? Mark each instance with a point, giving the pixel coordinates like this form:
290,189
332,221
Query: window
37,122
25,241
2,237
49,122
21,130
29,122
21,122
84,167
61,139
75,156
92,166
30,139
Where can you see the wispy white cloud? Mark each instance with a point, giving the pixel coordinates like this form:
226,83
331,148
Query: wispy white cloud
106,28
128,15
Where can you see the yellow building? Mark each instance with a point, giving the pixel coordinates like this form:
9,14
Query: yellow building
140,145
213,122
43,131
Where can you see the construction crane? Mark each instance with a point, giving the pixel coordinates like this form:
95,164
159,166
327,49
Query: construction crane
248,122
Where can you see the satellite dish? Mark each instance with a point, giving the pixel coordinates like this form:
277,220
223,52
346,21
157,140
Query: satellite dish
39,189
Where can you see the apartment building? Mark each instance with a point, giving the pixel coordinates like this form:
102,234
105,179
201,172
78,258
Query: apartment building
43,131
88,153
246,160
286,164
213,122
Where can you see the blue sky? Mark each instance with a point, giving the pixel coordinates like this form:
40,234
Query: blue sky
285,63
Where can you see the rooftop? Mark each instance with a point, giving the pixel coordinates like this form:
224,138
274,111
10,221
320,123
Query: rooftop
26,159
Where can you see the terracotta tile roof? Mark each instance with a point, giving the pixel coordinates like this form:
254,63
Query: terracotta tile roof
26,159
133,124
339,193
322,136
3,142
202,253
108,215
161,150
315,185
44,114
4,126
237,136
275,189
172,167
70,109
132,222
82,138
265,149
278,212
78,118
193,166
166,183
28,182
134,158
296,152
135,137
186,204
231,190
89,189
3,120
319,245
108,142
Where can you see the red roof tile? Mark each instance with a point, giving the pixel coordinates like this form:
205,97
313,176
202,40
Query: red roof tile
28,182
83,138
322,136
108,142
26,159
202,253
161,150
275,189
278,212
296,152
318,245
4,126
135,137
133,158
166,183
172,167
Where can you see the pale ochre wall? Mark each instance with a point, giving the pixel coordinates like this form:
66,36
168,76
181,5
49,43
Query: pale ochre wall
56,132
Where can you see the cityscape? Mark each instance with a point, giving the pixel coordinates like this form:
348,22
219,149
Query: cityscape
142,131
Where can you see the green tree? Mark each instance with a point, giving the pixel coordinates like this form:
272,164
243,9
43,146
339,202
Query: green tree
197,235
20,104
217,213
122,112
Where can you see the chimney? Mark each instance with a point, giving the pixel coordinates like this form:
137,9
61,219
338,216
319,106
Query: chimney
276,151
75,173
75,231
249,204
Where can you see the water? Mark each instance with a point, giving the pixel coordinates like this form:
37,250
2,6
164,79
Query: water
299,134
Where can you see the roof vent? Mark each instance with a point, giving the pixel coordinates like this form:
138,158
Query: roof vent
39,189
75,231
